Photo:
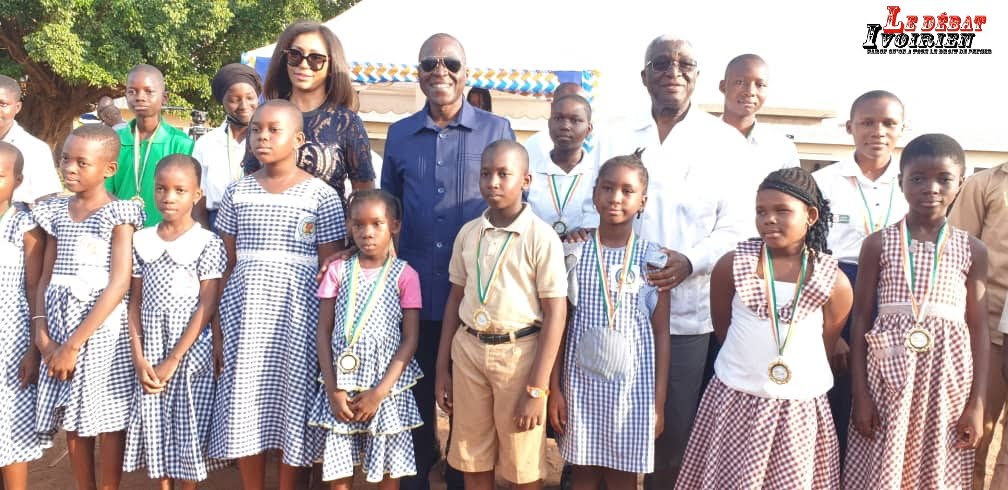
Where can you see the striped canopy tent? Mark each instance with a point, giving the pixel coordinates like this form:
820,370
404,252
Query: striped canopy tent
382,48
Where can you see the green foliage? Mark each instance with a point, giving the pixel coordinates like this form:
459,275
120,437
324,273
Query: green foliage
94,43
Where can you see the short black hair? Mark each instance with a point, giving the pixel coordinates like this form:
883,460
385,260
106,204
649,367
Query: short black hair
576,98
287,106
799,183
11,150
934,145
392,207
101,133
743,59
149,70
632,161
505,145
180,160
11,85
874,95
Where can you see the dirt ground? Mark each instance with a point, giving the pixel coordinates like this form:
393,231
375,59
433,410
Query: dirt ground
53,471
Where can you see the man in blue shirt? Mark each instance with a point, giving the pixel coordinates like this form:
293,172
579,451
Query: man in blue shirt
432,164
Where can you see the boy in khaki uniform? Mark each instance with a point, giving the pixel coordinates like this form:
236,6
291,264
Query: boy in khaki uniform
503,324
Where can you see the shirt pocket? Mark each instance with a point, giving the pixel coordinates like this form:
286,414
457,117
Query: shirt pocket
888,360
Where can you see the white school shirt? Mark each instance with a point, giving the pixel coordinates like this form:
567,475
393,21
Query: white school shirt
772,149
579,212
839,183
693,202
744,359
211,150
40,178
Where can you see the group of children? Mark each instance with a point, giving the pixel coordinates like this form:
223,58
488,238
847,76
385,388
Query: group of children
236,349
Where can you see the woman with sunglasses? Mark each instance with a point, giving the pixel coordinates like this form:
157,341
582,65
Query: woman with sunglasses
309,69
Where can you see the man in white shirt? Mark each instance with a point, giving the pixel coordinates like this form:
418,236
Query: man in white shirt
745,86
40,178
694,211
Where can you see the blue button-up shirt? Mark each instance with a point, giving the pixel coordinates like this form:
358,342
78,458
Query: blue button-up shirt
434,171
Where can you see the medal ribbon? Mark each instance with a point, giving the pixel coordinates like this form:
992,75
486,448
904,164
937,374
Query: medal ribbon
910,270
228,137
138,169
869,221
352,323
481,290
771,293
628,261
559,204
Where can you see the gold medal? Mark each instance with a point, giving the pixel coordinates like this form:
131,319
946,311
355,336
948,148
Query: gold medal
137,199
481,319
560,227
348,362
919,340
779,372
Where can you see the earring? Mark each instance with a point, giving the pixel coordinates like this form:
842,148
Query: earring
639,213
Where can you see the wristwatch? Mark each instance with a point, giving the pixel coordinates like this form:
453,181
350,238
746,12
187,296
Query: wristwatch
537,392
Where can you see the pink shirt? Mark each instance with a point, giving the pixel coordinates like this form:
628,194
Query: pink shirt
409,284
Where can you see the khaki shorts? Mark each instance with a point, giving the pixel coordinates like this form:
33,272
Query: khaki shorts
488,381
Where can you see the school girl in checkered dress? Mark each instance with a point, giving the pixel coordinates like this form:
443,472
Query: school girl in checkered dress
22,244
778,304
177,267
605,401
919,372
368,330
275,224
86,381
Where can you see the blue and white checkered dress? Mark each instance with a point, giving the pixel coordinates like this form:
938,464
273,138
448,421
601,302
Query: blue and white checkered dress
384,445
97,399
269,315
20,442
169,431
610,423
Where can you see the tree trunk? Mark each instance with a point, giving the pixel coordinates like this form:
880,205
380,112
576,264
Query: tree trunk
51,119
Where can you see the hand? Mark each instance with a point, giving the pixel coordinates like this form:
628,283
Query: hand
578,235
365,404
864,417
529,413
969,427
675,272
556,407
46,347
341,255
338,405
659,422
28,370
63,362
841,352
166,369
147,376
217,351
443,390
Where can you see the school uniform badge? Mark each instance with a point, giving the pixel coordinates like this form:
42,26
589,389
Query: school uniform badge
306,229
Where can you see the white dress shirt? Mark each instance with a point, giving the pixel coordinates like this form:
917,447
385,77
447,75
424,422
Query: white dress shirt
220,156
859,204
773,150
578,211
40,177
694,204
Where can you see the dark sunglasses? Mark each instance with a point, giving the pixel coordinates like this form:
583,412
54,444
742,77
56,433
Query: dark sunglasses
295,57
430,64
665,63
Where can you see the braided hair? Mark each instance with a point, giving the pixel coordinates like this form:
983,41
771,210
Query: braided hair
632,161
798,183
393,210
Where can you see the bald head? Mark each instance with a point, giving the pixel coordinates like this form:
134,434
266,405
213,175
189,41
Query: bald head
440,39
501,148
148,70
10,153
661,41
569,88
286,109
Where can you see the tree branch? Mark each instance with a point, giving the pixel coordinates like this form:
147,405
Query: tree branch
41,78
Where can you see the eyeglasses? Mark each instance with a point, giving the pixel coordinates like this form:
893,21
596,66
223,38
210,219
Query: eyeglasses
315,60
665,63
430,64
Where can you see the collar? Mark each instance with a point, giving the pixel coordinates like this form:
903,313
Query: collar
650,123
848,167
754,132
13,133
520,224
126,137
466,118
542,163
184,250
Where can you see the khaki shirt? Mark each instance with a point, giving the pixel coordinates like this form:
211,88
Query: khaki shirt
531,267
982,210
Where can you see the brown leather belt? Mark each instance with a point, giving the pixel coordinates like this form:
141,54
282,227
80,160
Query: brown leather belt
501,338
